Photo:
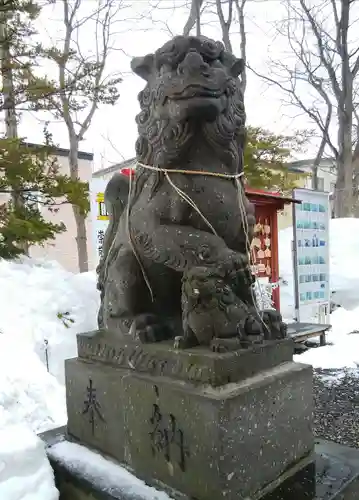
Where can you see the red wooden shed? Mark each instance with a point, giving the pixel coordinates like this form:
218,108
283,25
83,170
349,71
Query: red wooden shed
265,255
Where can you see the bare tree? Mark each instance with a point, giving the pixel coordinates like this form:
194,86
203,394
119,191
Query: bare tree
293,84
240,6
83,84
320,78
194,18
229,13
225,21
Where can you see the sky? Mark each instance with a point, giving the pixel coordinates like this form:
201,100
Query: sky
139,29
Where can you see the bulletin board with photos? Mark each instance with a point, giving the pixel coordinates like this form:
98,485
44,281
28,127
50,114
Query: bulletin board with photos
311,251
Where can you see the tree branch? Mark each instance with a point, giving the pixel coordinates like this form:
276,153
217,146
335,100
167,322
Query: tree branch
68,20
321,49
193,18
225,25
243,45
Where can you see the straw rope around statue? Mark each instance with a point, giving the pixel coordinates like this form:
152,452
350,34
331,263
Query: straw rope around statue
240,194
182,194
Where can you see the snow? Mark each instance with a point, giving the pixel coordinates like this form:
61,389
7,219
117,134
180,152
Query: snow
28,393
40,302
38,299
25,472
344,280
107,475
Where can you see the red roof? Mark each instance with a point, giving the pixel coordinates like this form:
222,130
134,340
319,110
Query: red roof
259,193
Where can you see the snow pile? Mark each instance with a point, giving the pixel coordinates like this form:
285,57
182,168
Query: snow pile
41,302
31,401
342,350
28,393
344,281
25,472
109,476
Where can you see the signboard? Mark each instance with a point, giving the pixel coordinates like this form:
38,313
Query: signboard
98,214
311,254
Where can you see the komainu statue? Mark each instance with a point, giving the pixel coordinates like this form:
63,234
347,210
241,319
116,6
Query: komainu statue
176,252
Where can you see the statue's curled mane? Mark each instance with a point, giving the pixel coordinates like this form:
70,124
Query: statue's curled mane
163,142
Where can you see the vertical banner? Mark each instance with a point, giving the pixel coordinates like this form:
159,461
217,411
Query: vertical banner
311,256
99,215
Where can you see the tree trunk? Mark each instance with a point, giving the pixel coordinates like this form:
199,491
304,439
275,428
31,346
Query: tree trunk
242,32
318,159
194,18
80,219
81,240
343,206
344,185
314,177
9,101
356,183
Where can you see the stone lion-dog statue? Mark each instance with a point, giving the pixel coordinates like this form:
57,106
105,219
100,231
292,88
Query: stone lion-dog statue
183,219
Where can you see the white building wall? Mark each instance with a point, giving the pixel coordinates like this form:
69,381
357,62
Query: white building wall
326,176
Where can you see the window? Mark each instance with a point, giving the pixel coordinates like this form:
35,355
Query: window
320,184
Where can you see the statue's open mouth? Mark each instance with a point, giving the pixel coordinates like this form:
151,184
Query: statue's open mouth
193,91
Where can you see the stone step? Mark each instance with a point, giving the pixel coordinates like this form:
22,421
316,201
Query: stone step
82,474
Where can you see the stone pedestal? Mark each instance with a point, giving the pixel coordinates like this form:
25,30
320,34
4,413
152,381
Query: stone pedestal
210,425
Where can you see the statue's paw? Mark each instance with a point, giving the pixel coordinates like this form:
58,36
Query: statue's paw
253,326
235,261
276,329
147,329
179,342
283,330
218,346
225,344
183,342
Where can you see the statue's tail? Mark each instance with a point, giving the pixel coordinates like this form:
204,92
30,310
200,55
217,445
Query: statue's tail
116,198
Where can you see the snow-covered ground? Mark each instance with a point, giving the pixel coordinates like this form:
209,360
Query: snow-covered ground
42,309
40,303
28,393
25,472
109,476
